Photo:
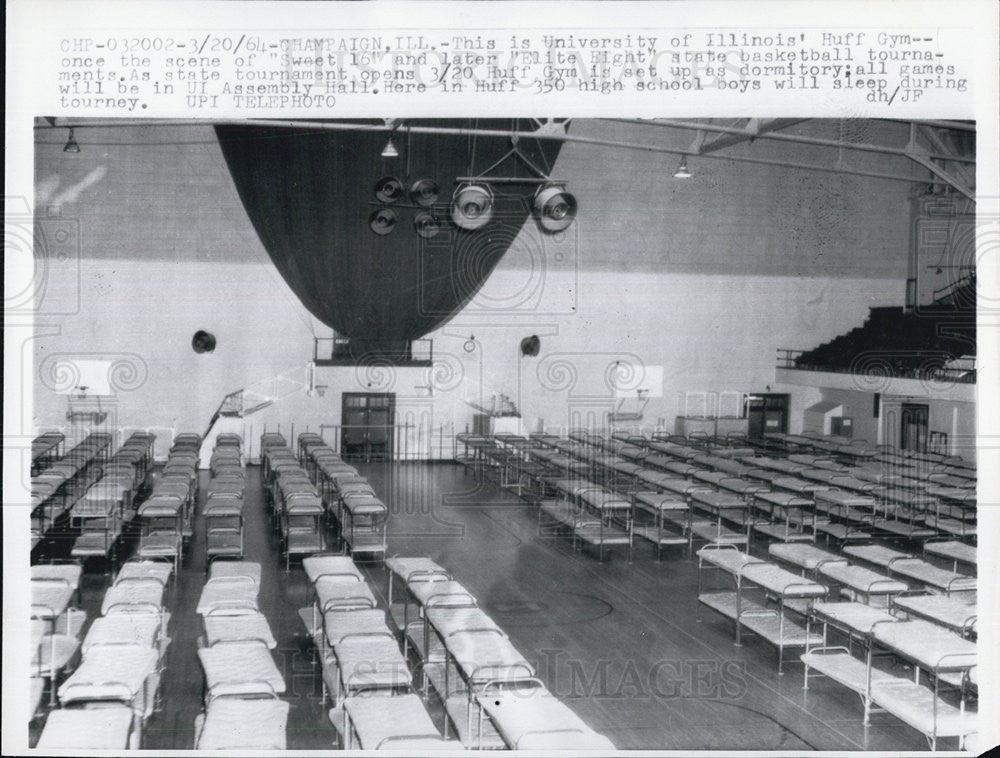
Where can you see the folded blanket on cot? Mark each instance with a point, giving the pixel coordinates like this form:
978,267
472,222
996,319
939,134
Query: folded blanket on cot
859,617
535,719
951,612
159,571
927,644
442,593
65,572
317,566
861,579
110,672
241,723
240,668
230,593
384,722
133,595
247,627
483,656
87,729
123,629
421,567
371,661
342,592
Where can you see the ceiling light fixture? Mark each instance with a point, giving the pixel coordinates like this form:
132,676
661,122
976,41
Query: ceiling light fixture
390,151
72,146
682,170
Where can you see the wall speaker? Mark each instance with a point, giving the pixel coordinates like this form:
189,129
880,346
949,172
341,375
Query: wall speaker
531,345
382,221
472,206
554,207
424,192
389,189
203,342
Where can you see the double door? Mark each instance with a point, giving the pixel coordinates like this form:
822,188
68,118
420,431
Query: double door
366,431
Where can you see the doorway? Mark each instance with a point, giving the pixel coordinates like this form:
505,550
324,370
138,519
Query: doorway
766,414
913,423
367,420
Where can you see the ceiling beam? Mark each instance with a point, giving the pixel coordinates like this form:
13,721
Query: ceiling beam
937,141
948,177
460,131
781,137
755,128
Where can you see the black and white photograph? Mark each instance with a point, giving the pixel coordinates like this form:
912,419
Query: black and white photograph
434,432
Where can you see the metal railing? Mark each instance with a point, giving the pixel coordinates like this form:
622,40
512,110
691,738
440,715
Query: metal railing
345,351
789,359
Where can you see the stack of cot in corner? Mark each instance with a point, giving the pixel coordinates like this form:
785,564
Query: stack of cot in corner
491,695
106,700
242,708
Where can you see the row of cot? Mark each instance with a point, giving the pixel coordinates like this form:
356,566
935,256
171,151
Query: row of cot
224,500
361,517
112,691
56,486
46,449
242,709
108,507
634,467
733,499
490,694
313,489
929,632
167,515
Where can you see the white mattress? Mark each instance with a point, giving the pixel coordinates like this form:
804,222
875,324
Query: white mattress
538,720
806,556
862,579
948,611
317,566
442,593
659,501
482,656
732,561
228,594
380,719
123,629
343,591
240,668
404,568
49,598
913,704
448,621
87,729
927,644
133,596
158,570
235,569
876,554
372,661
953,551
247,724
922,571
782,582
238,628
859,617
336,624
66,572
110,672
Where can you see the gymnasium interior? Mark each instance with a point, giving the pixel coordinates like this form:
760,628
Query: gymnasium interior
502,434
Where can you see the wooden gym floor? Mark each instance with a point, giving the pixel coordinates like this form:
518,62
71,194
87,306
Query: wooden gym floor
626,645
